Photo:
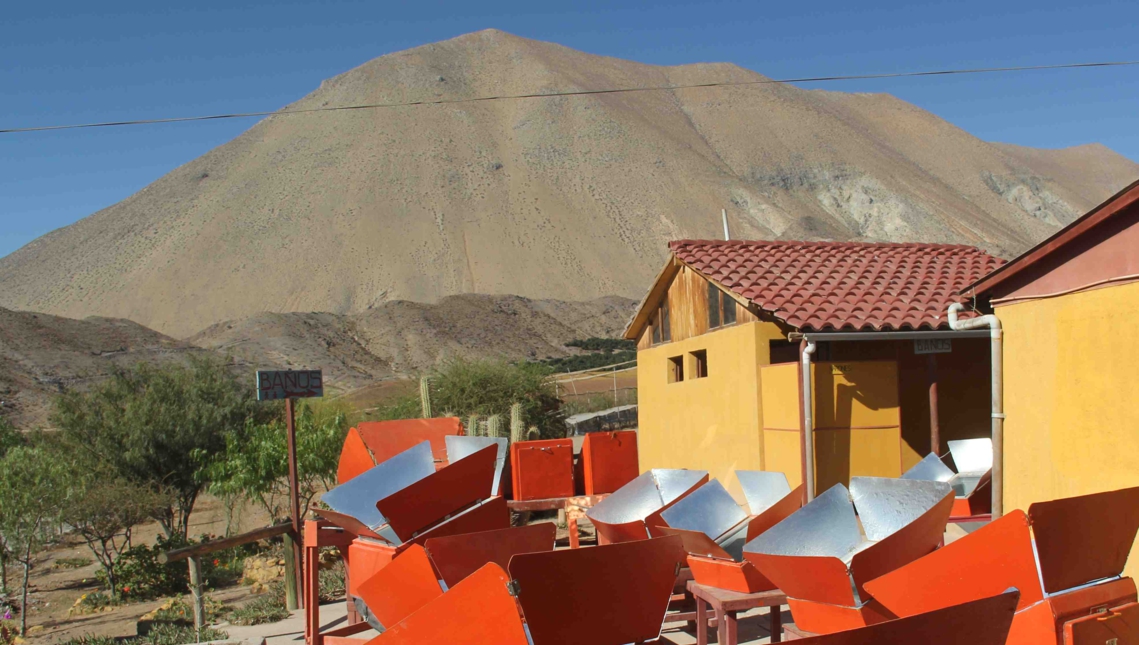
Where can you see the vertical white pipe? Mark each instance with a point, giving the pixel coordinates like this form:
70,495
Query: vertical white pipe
998,399
724,214
808,422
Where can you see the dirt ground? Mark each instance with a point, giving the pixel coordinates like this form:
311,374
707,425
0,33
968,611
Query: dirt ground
54,589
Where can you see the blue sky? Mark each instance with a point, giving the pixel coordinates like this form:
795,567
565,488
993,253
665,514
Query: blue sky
66,61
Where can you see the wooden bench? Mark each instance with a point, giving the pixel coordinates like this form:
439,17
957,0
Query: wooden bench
727,605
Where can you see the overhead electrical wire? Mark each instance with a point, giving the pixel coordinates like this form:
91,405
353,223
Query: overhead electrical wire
546,95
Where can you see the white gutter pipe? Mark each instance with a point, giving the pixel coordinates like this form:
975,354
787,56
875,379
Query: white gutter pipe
808,422
998,414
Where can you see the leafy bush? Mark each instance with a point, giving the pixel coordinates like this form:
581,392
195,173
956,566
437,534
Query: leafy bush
141,576
486,387
266,608
332,586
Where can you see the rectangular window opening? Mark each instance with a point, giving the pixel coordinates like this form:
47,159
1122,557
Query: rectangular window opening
665,328
713,306
675,369
700,364
729,316
656,331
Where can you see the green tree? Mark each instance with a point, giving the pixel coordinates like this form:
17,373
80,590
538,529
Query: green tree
157,427
486,387
10,438
104,510
33,487
255,460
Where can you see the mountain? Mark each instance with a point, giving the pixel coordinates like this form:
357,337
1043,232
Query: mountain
570,197
402,338
42,356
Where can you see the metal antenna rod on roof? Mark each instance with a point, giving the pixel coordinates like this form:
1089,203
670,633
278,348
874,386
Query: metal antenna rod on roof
724,214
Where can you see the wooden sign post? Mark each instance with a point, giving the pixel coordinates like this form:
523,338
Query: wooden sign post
289,385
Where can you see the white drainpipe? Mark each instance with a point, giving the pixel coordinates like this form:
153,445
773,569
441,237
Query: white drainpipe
808,422
998,414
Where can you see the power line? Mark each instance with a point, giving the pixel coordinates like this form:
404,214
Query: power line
621,90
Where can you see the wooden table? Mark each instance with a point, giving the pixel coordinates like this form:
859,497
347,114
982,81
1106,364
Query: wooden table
727,604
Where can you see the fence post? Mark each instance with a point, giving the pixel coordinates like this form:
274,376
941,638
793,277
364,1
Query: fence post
290,573
199,597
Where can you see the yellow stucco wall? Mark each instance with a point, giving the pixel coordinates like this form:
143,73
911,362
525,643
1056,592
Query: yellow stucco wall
856,420
710,423
1071,404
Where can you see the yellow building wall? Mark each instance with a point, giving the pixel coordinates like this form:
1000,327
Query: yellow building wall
1071,403
710,423
782,440
856,418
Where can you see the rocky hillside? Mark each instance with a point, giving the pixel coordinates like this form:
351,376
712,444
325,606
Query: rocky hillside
403,338
43,355
570,197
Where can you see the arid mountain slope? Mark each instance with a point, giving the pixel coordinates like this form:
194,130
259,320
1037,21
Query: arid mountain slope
42,356
569,197
403,338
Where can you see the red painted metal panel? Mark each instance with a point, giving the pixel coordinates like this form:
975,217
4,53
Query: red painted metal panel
354,457
477,611
728,574
1118,623
485,517
402,587
980,622
346,522
609,461
456,557
436,496
606,595
1090,601
776,513
819,578
914,540
1085,538
986,562
388,438
364,560
697,543
821,618
542,469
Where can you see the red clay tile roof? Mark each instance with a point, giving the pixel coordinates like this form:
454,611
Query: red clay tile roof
820,286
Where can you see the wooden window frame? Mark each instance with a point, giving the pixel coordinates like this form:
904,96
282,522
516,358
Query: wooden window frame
699,363
676,369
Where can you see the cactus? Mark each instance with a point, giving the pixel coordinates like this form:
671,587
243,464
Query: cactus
473,425
494,425
517,428
533,434
425,396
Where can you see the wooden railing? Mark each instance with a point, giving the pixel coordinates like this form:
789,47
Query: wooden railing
195,552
